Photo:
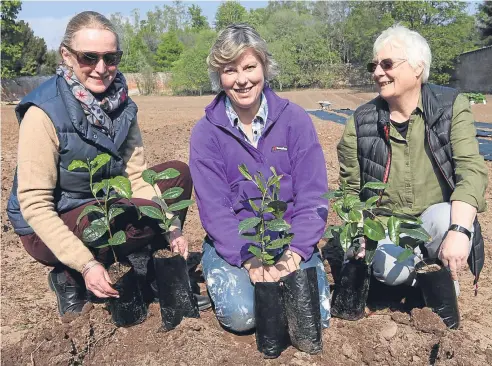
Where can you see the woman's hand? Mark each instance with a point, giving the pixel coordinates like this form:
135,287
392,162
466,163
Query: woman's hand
288,263
178,243
257,272
97,280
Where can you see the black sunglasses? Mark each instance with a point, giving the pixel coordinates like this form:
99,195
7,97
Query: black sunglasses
386,64
92,58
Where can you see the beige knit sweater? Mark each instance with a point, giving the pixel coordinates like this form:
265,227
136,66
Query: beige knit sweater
37,168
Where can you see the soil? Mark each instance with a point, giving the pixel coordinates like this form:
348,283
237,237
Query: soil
164,253
396,331
118,270
430,268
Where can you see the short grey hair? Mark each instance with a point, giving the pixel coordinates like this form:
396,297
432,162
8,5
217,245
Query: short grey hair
415,47
230,44
87,19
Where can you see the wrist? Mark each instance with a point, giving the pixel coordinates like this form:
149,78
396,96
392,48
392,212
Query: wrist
88,266
460,229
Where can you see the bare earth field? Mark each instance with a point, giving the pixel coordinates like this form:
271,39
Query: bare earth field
391,334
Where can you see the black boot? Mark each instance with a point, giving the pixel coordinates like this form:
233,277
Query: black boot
70,295
203,301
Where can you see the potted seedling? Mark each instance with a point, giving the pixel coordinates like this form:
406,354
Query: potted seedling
288,309
129,308
176,298
362,227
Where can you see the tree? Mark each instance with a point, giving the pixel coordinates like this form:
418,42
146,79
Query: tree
190,74
485,22
33,51
11,51
229,12
168,51
197,20
51,61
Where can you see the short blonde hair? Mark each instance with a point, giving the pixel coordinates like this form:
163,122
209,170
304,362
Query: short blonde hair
230,44
415,46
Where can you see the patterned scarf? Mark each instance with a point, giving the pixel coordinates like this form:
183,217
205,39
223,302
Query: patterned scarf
97,111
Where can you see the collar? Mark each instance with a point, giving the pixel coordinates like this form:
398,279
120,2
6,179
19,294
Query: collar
261,115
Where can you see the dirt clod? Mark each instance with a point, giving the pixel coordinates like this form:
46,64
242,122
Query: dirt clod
425,320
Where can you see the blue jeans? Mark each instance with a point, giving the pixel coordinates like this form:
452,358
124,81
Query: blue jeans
233,293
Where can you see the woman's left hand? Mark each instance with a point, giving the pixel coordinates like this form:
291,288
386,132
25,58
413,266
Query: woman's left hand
178,242
288,263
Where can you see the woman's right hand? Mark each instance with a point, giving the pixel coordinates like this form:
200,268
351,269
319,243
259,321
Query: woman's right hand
97,280
257,272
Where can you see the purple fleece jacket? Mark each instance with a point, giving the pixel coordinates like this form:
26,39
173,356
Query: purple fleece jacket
290,144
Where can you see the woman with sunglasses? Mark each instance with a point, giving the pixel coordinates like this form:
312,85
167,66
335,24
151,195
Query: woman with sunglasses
419,138
84,110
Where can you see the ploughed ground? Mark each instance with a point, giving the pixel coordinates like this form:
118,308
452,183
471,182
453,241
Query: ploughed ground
397,331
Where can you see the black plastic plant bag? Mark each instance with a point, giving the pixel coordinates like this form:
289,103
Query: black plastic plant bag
350,294
301,299
130,308
175,295
439,292
272,335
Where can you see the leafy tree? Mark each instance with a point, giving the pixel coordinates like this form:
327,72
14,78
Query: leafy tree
197,20
168,51
190,74
229,12
11,51
33,51
257,17
51,61
485,22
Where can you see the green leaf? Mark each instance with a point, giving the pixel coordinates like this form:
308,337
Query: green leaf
252,237
169,173
253,206
248,224
267,258
332,194
345,239
330,229
75,164
114,211
102,246
371,201
99,161
96,187
255,251
243,169
280,243
148,176
122,186
279,208
272,181
355,216
375,185
407,253
350,201
180,205
373,229
278,225
118,238
274,172
152,212
172,193
341,213
260,184
418,233
394,229
96,229
88,209
369,255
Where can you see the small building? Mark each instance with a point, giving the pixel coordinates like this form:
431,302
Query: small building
473,72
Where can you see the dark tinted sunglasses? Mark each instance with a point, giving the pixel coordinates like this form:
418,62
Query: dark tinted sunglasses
92,58
386,64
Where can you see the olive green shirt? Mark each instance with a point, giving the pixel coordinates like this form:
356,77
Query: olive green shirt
415,181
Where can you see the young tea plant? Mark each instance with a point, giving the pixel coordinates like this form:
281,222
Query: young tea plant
112,189
164,213
361,221
269,205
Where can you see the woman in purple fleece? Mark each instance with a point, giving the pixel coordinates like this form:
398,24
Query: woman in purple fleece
248,123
